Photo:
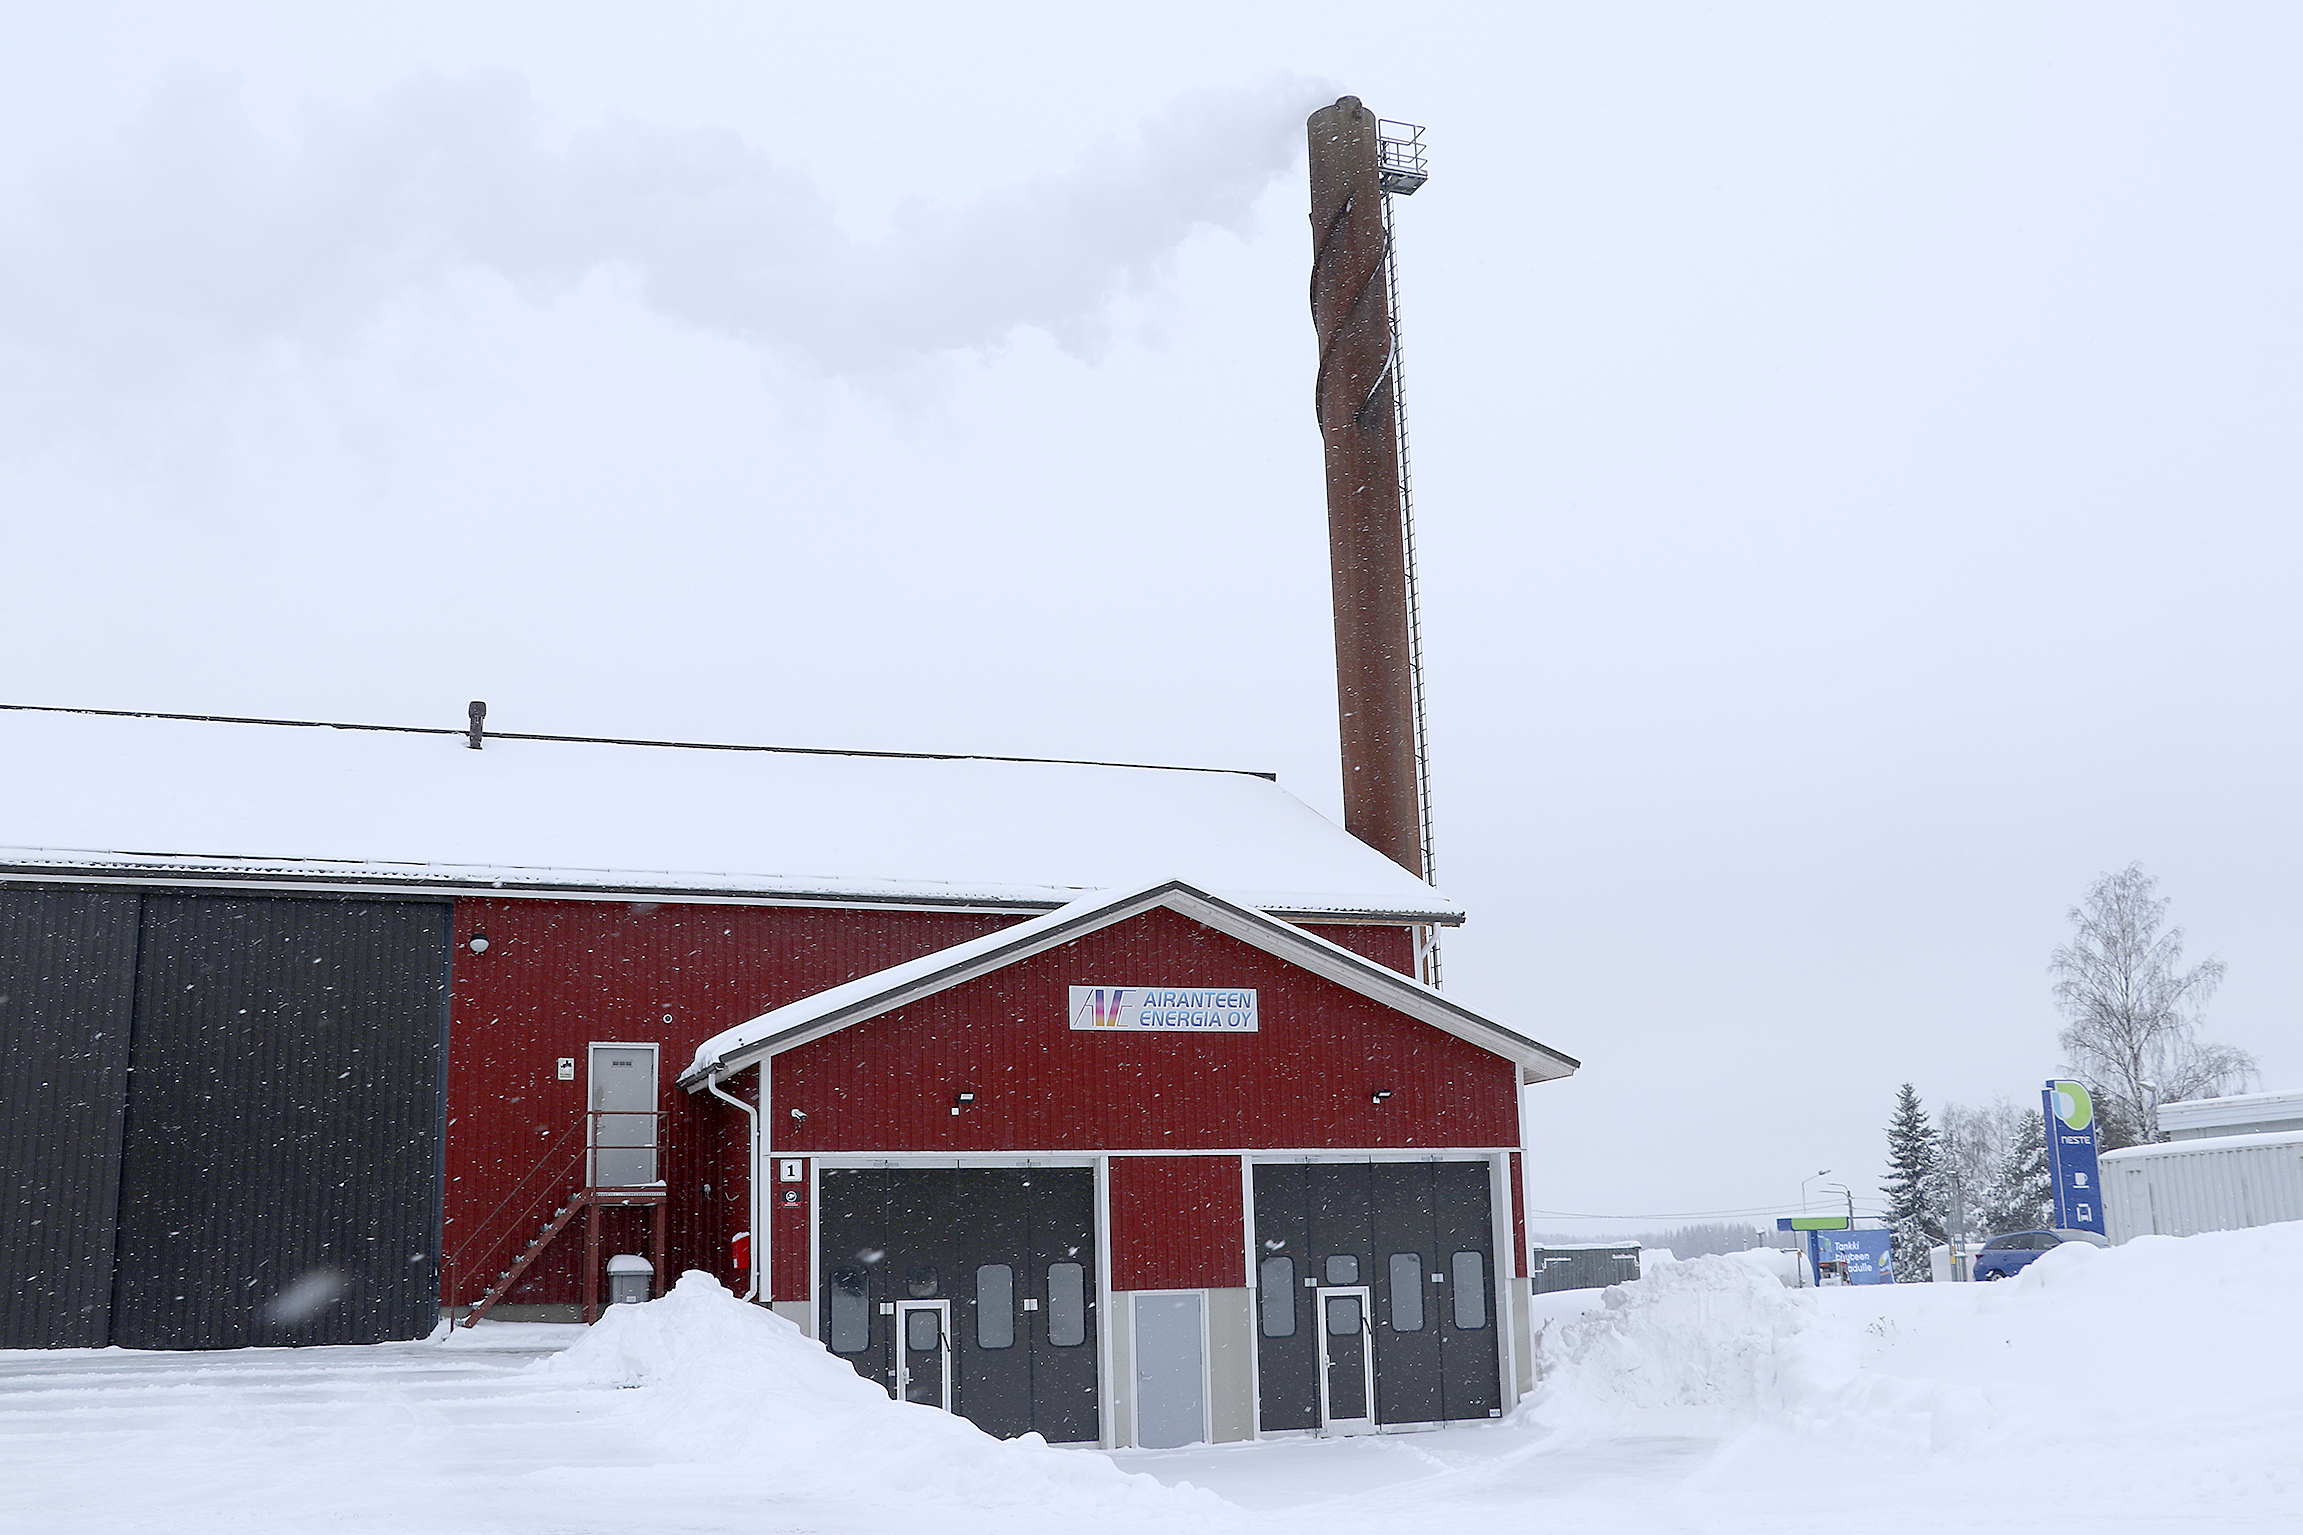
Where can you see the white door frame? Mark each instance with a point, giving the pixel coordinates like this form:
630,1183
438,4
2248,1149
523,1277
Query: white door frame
943,1311
1328,1422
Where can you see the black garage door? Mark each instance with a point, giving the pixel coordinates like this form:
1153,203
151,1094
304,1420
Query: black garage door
1418,1236
223,1118
982,1275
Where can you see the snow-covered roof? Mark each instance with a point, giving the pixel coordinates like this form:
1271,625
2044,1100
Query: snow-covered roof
2205,1116
2206,1145
168,799
866,997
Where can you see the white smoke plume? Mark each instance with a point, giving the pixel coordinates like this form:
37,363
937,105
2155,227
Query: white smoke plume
196,240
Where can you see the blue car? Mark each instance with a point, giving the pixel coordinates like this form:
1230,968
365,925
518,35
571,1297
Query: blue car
2008,1254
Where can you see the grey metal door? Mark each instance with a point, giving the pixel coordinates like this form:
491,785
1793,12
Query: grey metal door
623,1130
1170,1405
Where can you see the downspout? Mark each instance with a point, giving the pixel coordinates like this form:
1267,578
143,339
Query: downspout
752,1115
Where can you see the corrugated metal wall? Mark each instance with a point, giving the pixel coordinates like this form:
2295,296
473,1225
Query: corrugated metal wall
1585,1268
279,1182
1391,947
790,1261
67,990
1177,1223
1518,1216
559,974
1307,1079
2173,1190
222,1118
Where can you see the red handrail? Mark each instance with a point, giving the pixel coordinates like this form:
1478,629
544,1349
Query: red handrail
575,1177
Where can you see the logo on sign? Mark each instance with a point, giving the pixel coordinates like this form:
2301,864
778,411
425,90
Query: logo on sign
2072,1104
1165,1009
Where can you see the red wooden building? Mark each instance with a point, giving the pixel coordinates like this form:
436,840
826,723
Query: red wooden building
1024,1123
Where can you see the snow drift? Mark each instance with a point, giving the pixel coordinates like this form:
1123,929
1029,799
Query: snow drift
715,1379
2105,1359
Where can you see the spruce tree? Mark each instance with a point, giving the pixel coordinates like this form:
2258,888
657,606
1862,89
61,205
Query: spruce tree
2021,1193
1913,1188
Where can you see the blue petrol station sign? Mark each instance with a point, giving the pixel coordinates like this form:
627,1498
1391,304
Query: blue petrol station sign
1863,1255
2070,1115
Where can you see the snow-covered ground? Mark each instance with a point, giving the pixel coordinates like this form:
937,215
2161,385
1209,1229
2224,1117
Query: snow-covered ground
2158,1386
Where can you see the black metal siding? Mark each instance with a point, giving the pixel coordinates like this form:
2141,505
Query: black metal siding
67,982
281,1173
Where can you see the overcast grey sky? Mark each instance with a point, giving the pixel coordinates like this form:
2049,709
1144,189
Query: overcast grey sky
1855,450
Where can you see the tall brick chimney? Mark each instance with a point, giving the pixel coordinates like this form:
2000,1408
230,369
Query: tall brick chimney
1359,426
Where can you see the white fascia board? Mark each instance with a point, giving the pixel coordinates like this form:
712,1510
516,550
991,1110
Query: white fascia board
201,871
828,1012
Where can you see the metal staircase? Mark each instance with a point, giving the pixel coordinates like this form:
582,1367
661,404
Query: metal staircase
562,1180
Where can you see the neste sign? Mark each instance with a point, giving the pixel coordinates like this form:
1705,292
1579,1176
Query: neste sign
1165,1009
2070,1116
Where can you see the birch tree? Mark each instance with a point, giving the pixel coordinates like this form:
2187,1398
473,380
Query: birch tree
2131,1010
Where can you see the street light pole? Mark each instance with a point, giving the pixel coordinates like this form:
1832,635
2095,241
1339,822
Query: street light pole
1822,1172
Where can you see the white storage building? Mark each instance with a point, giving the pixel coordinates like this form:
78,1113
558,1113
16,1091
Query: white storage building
2220,1183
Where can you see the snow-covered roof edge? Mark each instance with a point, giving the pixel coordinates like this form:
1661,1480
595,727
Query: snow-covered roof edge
2201,1145
2232,1109
866,997
210,871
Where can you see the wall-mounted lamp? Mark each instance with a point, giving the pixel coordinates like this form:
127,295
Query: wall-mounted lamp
963,1101
1379,1095
799,1113
477,943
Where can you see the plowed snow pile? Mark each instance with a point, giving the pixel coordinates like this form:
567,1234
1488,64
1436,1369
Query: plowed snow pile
714,1379
2166,1364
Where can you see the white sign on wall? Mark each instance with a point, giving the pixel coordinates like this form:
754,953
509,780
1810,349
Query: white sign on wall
1165,1009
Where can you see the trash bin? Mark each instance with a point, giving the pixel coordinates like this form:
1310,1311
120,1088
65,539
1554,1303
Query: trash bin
630,1277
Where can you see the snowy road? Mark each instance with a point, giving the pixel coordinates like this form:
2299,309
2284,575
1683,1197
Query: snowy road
2156,1388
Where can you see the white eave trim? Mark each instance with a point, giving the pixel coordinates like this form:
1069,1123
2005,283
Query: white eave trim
201,872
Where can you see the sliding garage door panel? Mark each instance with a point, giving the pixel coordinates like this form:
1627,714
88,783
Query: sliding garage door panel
67,988
1408,1304
281,1164
1466,1318
1287,1352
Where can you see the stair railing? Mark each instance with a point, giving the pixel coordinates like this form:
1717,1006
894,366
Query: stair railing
498,1229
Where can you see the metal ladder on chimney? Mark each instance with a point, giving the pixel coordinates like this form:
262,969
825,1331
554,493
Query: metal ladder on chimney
1400,146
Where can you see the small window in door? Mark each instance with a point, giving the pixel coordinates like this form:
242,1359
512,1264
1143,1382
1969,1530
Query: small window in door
995,1306
1468,1278
1342,1315
1406,1292
1067,1304
1275,1277
851,1310
923,1330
